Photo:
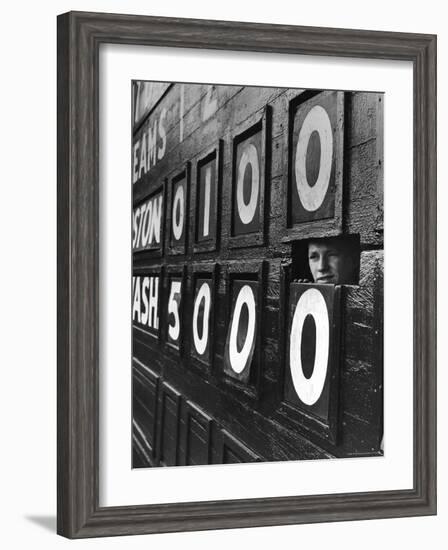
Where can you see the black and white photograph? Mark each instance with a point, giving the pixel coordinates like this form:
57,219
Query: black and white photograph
257,274
221,224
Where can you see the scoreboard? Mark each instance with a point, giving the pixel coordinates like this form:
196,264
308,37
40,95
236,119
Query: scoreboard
238,356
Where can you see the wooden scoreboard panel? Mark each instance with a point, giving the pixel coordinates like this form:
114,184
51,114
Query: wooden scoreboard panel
146,96
207,200
202,319
234,361
315,181
234,451
169,432
202,326
242,360
313,357
146,293
207,193
242,329
155,135
198,432
250,165
145,386
246,193
147,224
174,319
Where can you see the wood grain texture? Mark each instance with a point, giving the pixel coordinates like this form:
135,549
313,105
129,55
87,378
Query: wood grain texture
79,37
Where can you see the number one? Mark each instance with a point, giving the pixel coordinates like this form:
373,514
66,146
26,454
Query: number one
208,175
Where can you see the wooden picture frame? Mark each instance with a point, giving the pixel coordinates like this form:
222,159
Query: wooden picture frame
79,38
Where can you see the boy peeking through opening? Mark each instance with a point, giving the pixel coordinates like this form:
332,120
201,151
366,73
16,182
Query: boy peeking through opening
332,261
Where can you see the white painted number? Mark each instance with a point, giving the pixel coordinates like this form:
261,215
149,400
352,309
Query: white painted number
173,307
238,359
247,211
178,212
311,302
208,176
147,222
200,342
316,120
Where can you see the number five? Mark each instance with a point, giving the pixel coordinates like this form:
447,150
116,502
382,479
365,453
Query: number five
173,307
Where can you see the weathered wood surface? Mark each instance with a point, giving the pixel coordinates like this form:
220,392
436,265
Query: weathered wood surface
362,367
145,97
240,416
196,118
364,168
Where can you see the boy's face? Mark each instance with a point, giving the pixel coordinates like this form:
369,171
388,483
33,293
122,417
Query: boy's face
329,263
